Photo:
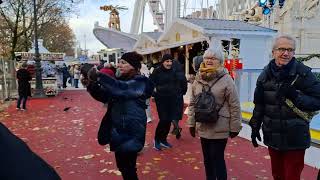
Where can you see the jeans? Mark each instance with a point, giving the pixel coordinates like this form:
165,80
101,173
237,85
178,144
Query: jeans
286,165
76,82
126,163
22,99
148,110
213,155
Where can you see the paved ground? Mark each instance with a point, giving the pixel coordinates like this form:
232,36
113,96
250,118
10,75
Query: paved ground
67,140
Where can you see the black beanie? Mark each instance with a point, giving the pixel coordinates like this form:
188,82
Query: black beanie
133,59
166,57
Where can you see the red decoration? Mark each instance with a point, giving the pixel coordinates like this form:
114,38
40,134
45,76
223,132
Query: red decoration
232,65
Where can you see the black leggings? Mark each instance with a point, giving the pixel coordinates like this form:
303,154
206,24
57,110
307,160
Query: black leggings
213,155
126,163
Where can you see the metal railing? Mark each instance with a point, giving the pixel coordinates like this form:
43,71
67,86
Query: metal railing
8,85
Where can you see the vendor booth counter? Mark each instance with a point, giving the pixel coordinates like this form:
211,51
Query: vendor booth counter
49,85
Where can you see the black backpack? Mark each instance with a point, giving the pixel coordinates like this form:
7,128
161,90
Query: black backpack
205,106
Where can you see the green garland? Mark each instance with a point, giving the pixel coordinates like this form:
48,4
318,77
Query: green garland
302,59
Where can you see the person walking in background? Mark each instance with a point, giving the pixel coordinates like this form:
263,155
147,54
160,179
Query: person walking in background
169,90
127,121
24,87
284,126
76,76
213,78
71,72
107,69
66,75
145,72
183,84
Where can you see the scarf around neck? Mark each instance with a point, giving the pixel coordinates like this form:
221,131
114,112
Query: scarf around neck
209,73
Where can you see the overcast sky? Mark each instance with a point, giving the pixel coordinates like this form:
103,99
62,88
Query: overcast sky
90,13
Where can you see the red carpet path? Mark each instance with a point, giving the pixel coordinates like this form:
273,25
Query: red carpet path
67,140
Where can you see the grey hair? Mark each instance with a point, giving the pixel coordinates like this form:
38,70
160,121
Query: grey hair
214,52
283,36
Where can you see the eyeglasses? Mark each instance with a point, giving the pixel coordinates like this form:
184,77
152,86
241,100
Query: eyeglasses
212,58
283,50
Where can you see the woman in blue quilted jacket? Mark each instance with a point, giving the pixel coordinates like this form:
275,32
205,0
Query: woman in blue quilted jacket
126,117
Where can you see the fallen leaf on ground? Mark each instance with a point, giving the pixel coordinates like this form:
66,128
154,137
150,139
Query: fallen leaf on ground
267,157
103,170
248,162
86,156
36,129
161,177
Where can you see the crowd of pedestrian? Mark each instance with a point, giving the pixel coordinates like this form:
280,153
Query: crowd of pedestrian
286,90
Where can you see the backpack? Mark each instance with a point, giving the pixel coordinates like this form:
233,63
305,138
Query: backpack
205,106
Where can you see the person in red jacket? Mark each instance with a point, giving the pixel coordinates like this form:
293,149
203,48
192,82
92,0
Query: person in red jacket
107,70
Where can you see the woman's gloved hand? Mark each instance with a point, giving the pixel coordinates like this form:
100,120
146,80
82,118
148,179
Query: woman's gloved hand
93,74
234,134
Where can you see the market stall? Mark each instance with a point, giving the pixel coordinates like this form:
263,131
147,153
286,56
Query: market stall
50,63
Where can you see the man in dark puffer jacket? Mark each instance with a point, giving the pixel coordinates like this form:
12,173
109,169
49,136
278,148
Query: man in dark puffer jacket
127,116
284,132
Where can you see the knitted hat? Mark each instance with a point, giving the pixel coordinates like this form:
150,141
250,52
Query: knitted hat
133,58
166,57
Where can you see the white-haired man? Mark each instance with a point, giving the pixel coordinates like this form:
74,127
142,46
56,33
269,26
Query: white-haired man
285,132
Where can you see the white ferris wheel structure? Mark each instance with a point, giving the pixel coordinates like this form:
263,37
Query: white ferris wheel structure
165,11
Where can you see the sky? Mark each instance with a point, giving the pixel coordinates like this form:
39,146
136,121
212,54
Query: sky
89,13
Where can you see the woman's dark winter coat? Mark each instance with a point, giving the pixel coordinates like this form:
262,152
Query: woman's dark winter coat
24,88
127,123
171,85
282,128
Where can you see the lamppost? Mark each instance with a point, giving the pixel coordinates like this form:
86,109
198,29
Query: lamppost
38,91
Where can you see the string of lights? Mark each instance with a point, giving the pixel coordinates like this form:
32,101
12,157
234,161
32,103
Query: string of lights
267,5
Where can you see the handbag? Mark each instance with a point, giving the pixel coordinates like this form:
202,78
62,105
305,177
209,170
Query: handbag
307,116
104,132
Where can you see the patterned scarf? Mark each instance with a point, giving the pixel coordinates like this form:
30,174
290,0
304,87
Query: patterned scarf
208,73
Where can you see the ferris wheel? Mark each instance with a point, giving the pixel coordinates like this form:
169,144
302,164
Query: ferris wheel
165,11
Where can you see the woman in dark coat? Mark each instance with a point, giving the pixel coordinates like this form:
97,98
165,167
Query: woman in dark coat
125,121
24,88
171,85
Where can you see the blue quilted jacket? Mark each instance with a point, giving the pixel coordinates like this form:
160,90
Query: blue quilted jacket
128,104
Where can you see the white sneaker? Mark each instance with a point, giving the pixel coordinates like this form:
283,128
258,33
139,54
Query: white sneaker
149,120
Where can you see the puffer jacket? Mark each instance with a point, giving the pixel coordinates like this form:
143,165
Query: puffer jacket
225,93
282,128
169,82
128,116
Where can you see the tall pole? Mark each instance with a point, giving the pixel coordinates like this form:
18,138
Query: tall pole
142,19
38,91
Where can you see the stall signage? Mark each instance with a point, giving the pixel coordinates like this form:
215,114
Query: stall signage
25,56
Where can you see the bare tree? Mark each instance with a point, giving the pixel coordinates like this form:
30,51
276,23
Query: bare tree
17,16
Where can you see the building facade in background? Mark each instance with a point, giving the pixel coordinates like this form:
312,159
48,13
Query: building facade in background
299,18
